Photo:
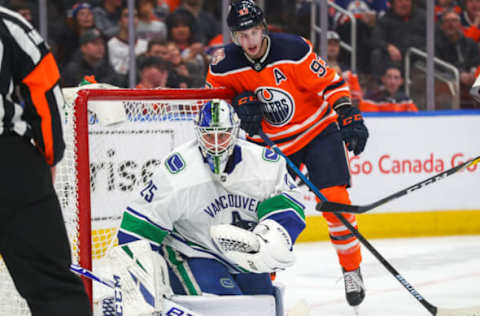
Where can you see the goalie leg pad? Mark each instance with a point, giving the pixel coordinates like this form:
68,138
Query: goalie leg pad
238,305
140,278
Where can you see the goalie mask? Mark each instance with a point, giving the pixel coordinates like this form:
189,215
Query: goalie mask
216,128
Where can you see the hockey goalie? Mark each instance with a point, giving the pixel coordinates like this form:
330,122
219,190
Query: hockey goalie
223,214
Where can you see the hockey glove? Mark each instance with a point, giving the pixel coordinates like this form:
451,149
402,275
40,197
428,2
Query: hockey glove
354,132
249,110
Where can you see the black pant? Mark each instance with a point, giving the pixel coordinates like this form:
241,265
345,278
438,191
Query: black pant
33,238
325,159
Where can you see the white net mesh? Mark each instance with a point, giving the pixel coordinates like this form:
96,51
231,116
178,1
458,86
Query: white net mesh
121,158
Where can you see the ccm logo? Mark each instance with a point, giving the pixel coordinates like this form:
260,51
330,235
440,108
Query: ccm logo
350,119
246,99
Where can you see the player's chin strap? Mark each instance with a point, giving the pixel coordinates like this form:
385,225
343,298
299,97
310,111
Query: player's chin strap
434,310
268,248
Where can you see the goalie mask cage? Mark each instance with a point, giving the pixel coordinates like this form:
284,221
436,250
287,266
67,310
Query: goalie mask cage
114,140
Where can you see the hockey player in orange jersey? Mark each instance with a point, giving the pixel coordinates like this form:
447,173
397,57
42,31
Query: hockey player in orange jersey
304,106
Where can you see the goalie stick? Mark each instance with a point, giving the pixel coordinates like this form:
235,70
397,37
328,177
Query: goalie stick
89,274
327,206
118,302
434,310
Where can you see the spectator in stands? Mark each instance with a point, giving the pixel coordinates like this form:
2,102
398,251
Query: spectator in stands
302,25
184,69
357,7
161,9
389,97
401,27
107,17
55,16
90,60
153,73
207,25
365,13
443,5
159,48
149,26
471,19
171,4
118,48
215,7
281,14
180,26
333,52
80,21
453,47
23,8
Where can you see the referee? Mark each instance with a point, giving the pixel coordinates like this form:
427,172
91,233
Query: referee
33,238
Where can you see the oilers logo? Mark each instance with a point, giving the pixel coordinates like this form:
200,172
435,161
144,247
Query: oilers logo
278,105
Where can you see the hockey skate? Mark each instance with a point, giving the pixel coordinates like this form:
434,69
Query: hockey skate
354,288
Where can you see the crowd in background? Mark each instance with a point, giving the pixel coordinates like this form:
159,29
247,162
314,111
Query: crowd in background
175,41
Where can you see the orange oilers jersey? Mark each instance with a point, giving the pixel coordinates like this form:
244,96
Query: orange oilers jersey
296,87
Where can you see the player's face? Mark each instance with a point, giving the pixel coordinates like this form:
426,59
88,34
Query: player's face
251,41
217,142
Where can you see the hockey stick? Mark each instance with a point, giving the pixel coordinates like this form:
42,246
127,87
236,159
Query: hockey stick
89,274
327,206
118,302
434,310
121,296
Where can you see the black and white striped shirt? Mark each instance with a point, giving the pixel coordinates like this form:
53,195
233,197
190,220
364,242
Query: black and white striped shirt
29,87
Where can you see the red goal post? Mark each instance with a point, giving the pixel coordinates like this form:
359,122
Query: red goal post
114,140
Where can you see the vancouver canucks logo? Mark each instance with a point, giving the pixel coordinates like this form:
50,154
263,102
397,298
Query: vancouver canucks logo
278,105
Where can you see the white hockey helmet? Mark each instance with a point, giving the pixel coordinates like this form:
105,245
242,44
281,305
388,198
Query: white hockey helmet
216,128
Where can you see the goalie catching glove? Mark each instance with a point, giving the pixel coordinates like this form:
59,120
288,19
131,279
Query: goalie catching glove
268,248
249,110
354,132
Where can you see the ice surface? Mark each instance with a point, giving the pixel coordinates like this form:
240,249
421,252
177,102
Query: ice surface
444,270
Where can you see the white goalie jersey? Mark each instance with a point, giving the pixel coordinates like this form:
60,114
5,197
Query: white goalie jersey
184,199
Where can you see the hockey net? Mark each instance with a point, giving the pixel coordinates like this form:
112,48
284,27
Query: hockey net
115,138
